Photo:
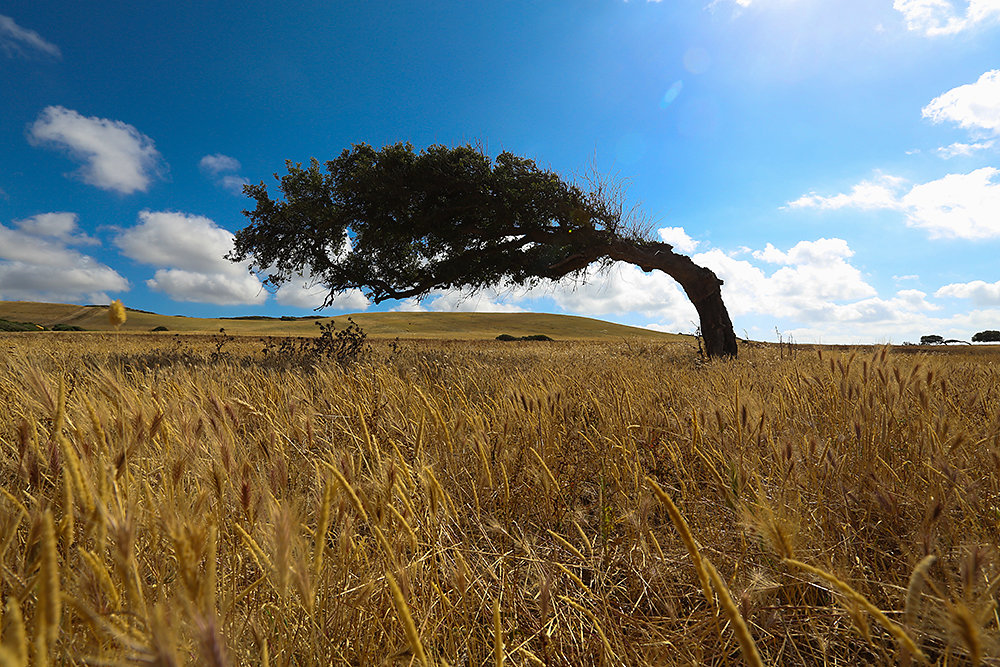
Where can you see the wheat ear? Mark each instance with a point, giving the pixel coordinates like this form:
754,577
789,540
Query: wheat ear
409,627
747,646
894,629
685,532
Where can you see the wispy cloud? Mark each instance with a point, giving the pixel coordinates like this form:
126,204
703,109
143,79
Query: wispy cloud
959,149
222,169
115,155
942,17
24,43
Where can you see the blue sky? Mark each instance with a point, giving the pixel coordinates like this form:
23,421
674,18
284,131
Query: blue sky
835,161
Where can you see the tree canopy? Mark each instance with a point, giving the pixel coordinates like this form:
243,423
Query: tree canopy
988,336
396,223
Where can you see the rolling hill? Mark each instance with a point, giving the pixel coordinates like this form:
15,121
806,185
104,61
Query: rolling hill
462,326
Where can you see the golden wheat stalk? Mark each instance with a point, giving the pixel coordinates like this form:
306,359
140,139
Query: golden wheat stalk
747,646
915,588
409,627
14,650
498,652
612,657
685,532
49,596
894,629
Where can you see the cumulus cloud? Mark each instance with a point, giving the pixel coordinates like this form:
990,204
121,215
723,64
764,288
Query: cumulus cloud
21,42
946,17
222,169
973,106
115,155
38,264
60,226
189,253
979,292
954,206
678,238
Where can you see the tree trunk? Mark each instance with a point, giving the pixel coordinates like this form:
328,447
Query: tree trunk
701,285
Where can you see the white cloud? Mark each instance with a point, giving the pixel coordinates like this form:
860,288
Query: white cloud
678,238
974,106
877,193
36,263
189,252
944,17
116,155
18,41
222,169
483,301
964,150
979,292
954,206
233,183
306,293
61,226
218,163
408,306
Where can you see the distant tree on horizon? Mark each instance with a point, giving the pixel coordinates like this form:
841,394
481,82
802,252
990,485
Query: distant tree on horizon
398,224
988,336
931,340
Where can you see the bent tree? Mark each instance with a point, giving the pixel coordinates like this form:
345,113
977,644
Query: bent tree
397,224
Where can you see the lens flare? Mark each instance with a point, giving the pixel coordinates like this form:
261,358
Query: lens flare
671,94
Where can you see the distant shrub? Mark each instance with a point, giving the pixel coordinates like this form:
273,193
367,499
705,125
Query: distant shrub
344,347
508,337
160,328
7,325
67,327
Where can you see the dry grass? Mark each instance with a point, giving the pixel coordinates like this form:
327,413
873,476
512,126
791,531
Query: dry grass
477,503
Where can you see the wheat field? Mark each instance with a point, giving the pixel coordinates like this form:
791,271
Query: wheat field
204,502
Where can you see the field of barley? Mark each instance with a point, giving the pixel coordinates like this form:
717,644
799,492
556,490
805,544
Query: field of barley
202,501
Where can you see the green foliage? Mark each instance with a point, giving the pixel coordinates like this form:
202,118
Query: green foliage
988,336
67,327
397,223
160,328
931,340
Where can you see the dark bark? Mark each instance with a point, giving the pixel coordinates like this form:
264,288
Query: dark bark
701,285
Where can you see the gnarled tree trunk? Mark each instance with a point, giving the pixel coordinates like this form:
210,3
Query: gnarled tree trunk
701,285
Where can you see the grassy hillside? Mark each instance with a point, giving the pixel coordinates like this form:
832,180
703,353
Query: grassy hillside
464,326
